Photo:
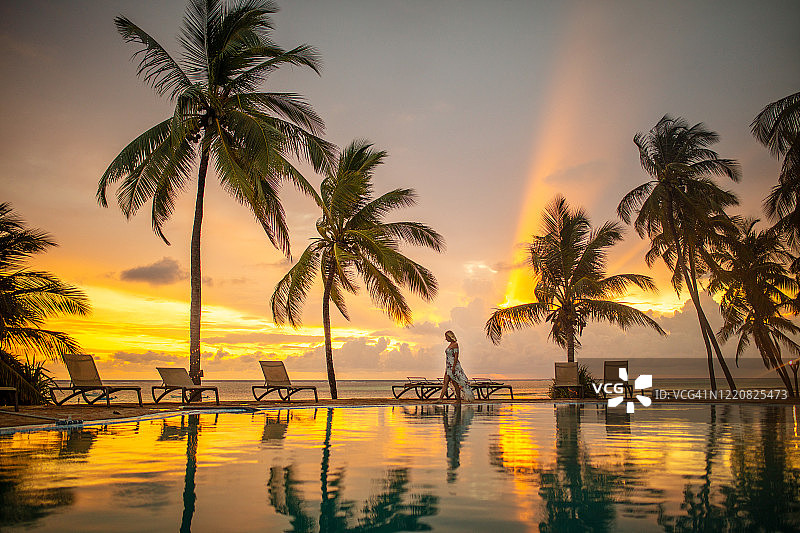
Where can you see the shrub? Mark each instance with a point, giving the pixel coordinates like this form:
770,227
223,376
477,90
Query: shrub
31,379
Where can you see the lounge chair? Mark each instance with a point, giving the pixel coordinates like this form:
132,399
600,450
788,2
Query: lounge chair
84,378
485,387
422,387
611,375
276,379
173,379
14,393
567,377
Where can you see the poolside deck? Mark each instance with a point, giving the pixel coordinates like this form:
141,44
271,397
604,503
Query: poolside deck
118,412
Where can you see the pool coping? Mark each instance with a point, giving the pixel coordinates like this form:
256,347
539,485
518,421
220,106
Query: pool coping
102,416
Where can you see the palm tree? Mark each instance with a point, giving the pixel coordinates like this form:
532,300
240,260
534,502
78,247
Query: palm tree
219,115
777,126
681,209
27,299
755,290
569,263
354,241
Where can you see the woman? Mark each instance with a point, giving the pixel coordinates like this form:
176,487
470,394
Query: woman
453,373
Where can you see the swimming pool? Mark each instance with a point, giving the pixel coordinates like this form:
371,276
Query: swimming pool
509,467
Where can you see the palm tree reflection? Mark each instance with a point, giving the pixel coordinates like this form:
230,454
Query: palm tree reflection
577,495
764,491
388,510
22,499
189,496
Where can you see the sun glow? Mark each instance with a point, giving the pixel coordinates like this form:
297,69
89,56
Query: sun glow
550,153
129,323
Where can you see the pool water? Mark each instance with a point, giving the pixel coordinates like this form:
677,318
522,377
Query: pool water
497,468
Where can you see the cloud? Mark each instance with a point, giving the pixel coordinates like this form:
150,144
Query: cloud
147,358
364,353
163,272
261,338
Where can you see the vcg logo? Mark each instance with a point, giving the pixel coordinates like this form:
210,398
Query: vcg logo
645,381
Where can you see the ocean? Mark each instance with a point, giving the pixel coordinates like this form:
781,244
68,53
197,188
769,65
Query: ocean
240,390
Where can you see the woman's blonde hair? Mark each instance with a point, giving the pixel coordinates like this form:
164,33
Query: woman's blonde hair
449,335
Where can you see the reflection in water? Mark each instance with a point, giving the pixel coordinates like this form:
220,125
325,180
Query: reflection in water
386,510
764,491
275,427
77,443
618,421
22,499
455,431
514,467
189,496
576,493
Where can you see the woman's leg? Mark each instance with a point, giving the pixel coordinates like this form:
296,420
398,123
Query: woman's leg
445,384
458,392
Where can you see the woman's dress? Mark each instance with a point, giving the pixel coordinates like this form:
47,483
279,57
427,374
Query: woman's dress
458,376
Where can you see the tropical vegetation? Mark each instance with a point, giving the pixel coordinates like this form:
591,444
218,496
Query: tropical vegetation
219,116
568,261
585,378
777,126
28,298
681,209
356,242
756,291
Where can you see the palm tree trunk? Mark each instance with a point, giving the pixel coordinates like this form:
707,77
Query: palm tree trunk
709,331
570,346
326,324
711,376
196,278
705,329
772,356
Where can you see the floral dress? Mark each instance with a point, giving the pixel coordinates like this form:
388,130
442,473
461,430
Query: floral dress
458,376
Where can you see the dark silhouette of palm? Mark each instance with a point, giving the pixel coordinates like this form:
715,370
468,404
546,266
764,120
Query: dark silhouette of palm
355,242
385,511
777,127
756,293
569,263
681,209
577,495
28,298
219,116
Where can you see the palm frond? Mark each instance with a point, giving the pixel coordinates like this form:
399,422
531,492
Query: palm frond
374,211
514,318
272,59
131,159
291,291
619,314
384,292
778,124
156,66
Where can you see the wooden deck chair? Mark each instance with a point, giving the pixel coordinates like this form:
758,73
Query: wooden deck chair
611,375
173,379
422,387
276,379
566,376
84,378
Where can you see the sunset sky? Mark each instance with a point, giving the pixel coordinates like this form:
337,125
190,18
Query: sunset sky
487,109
